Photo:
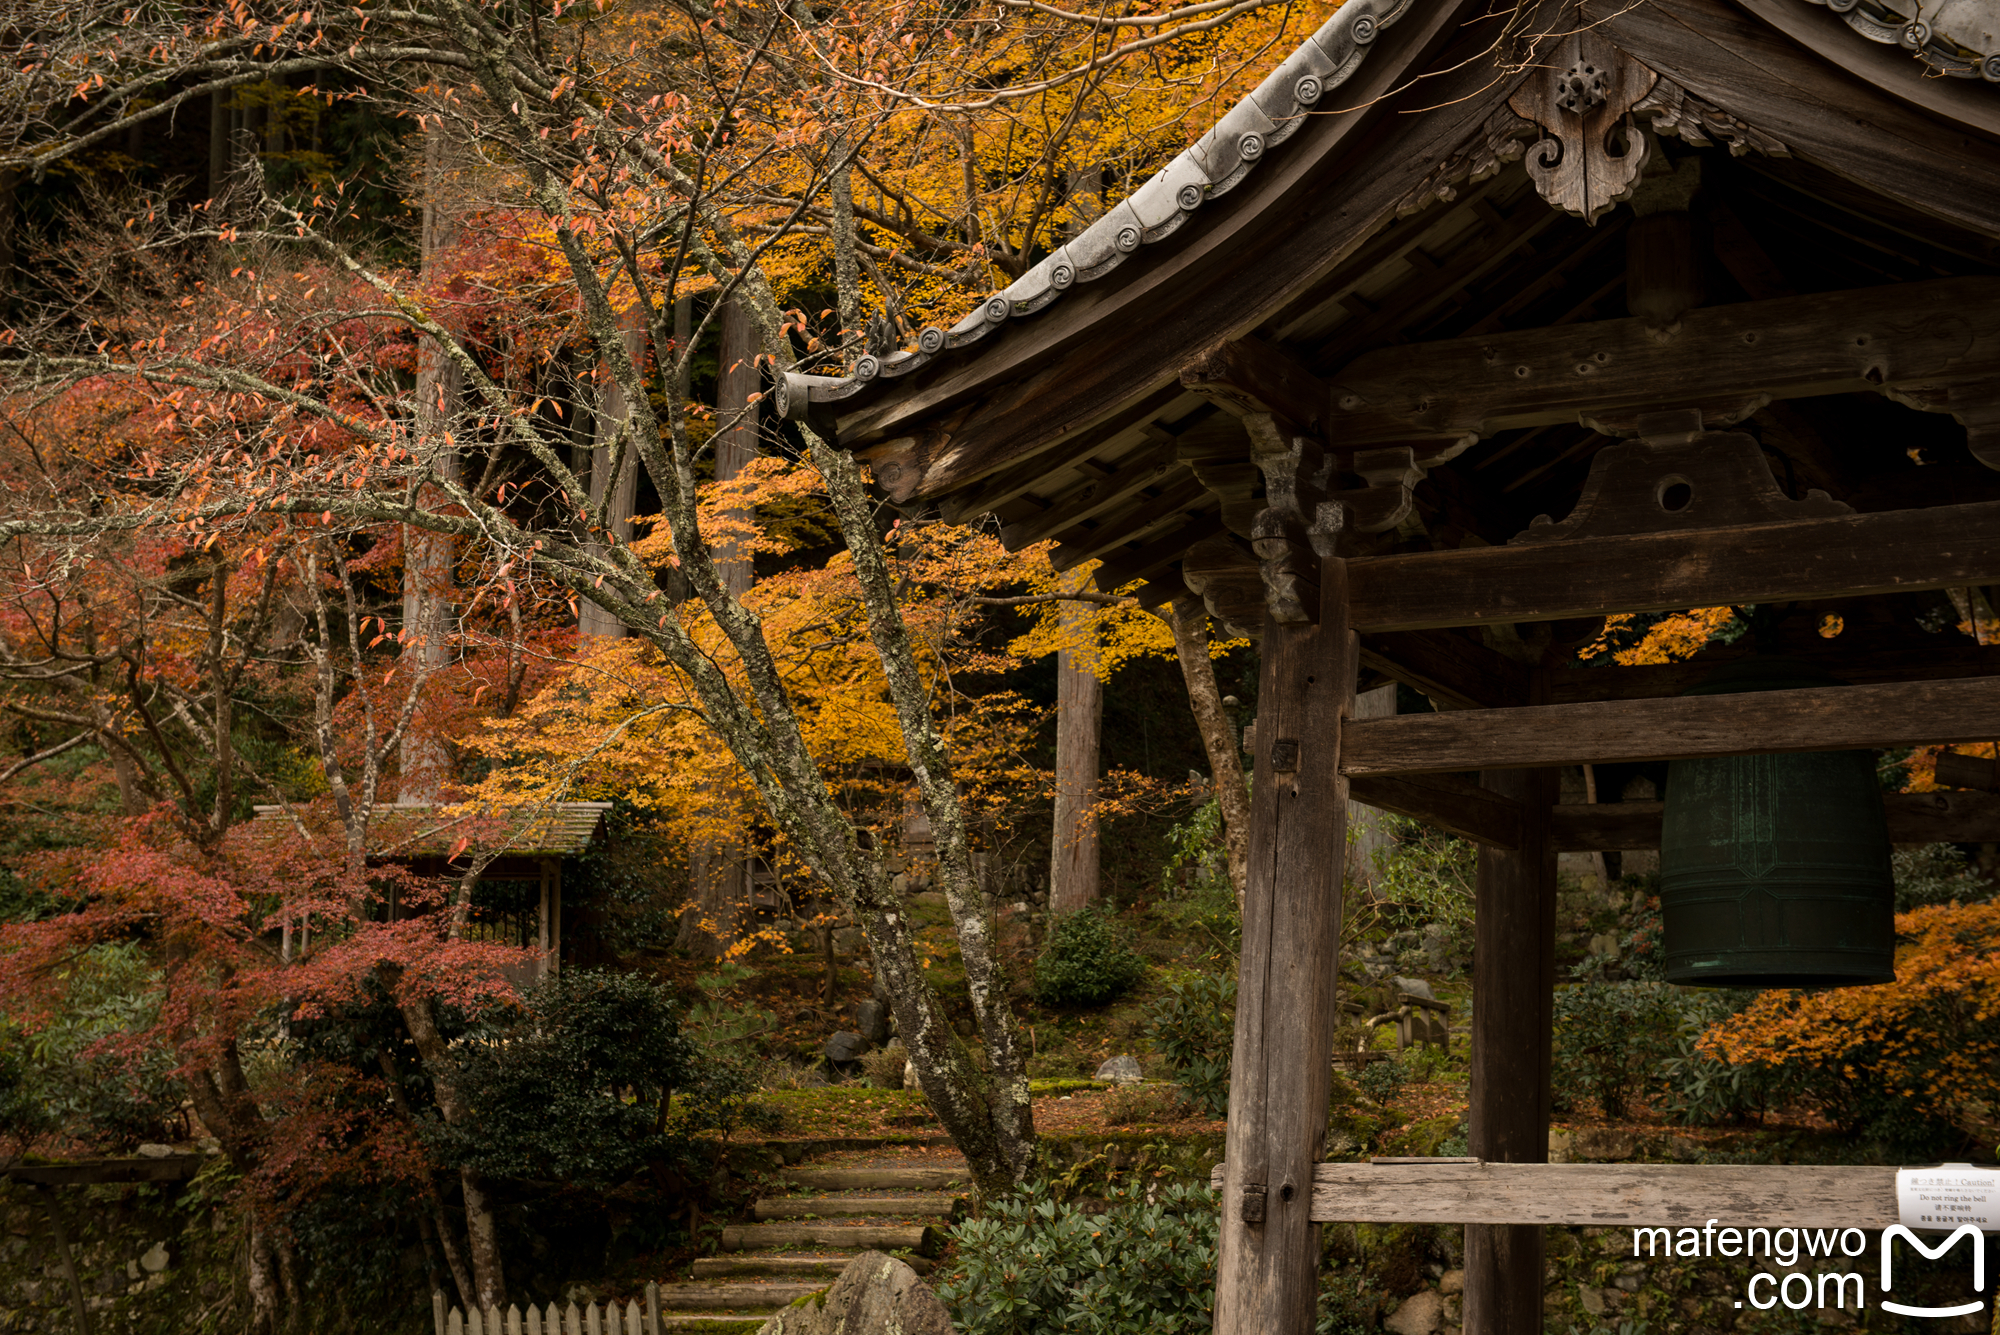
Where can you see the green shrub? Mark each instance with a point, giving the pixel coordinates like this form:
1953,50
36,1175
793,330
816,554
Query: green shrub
593,1083
1381,1081
1036,1266
1194,1027
1085,962
1610,1041
1936,874
1702,1090
1425,876
1199,900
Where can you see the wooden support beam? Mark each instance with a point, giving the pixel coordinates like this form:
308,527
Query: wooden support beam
1248,375
1832,718
1651,681
1104,488
1957,771
1607,1195
1730,360
1914,818
1513,962
1450,803
1266,1278
1151,507
1841,557
1454,671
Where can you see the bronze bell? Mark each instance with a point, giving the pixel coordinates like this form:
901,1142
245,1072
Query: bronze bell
1774,870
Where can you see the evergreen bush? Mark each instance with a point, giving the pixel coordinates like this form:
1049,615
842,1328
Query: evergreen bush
1086,963
1193,1025
1032,1265
1610,1041
593,1083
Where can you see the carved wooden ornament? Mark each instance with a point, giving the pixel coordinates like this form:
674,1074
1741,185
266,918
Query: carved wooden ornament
1679,477
1579,98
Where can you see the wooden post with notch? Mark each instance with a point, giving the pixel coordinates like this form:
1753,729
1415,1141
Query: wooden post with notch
1513,962
1267,1278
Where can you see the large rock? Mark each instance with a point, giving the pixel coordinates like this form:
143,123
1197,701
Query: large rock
1125,1070
1420,1314
845,1046
1415,987
872,1019
875,1295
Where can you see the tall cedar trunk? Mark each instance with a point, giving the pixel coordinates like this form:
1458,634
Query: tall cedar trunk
1218,734
1365,835
717,865
427,557
619,496
1073,852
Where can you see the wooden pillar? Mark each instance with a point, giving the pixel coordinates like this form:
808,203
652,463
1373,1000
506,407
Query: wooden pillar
1267,1277
1513,995
1074,845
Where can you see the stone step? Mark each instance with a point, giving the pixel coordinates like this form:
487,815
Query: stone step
884,1179
919,1238
828,1207
739,1296
778,1264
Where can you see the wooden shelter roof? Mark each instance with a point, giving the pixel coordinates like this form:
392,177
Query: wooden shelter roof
553,830
1398,247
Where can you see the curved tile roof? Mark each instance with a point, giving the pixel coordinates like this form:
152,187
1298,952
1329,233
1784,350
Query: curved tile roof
1960,38
1211,167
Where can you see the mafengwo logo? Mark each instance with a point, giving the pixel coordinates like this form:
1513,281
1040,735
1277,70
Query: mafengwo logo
1957,1198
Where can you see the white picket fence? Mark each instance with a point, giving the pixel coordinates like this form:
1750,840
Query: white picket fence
572,1320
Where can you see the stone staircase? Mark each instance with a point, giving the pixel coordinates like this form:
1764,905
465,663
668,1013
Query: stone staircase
802,1240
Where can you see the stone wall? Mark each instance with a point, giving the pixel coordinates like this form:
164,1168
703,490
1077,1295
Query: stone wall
152,1260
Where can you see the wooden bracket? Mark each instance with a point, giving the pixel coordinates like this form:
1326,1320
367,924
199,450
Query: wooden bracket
1679,478
1581,97
1973,403
1246,376
1675,111
1226,576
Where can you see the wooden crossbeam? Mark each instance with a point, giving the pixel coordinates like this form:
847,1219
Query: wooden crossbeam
1831,718
1733,358
1450,803
1914,818
1455,672
1648,681
1847,556
1608,1195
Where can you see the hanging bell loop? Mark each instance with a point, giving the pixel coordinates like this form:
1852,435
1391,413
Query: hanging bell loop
1774,869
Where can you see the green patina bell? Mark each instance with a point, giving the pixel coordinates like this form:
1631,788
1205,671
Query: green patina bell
1774,870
